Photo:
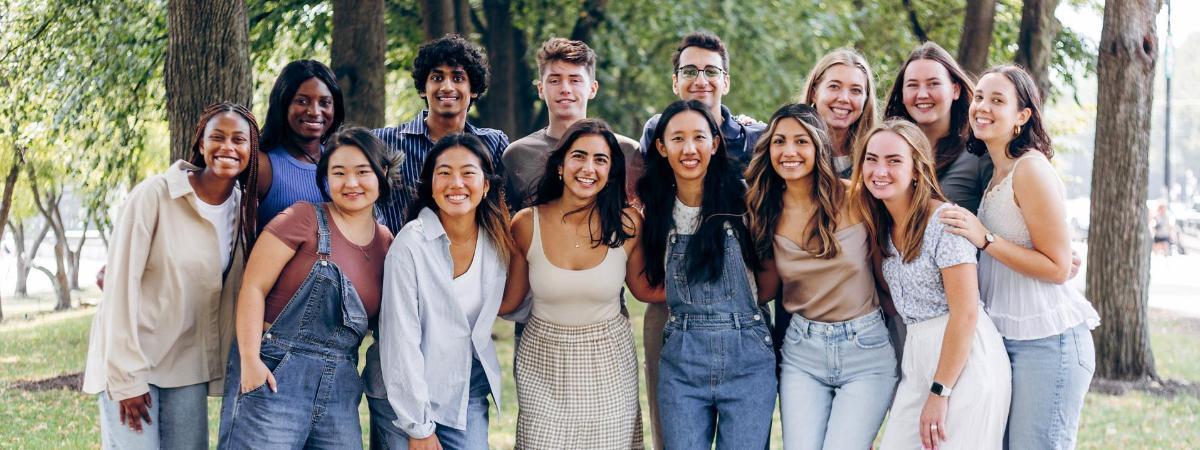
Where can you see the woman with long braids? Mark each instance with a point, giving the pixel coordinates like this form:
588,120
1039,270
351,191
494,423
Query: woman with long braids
160,338
312,285
304,109
444,279
576,247
838,369
717,367
955,380
1026,261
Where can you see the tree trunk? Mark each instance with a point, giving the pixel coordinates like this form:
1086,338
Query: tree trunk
208,61
438,16
917,30
74,256
462,17
978,23
359,45
590,17
509,102
1119,241
10,186
49,209
1035,41
25,254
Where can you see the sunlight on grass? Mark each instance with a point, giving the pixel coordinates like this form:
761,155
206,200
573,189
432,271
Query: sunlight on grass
56,344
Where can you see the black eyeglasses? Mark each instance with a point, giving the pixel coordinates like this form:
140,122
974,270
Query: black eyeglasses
691,72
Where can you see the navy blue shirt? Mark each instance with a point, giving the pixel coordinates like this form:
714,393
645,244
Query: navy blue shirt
412,139
739,139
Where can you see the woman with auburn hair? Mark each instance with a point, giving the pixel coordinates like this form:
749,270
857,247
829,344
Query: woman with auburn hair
932,91
1022,232
159,339
576,247
841,86
955,385
312,285
443,283
838,368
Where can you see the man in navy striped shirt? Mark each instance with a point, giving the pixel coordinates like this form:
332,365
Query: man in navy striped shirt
450,73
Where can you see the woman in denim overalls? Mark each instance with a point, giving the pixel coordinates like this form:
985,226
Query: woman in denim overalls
717,368
297,385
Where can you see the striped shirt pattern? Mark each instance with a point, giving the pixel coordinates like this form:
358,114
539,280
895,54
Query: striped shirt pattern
412,139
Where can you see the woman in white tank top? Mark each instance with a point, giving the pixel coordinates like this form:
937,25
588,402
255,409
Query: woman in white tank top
1026,259
576,368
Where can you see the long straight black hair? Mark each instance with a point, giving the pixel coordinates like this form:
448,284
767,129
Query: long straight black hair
610,202
723,205
275,128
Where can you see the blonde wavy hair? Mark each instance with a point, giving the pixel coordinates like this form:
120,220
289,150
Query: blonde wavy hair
852,58
925,190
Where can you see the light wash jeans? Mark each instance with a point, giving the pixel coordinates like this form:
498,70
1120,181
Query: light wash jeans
1050,377
837,382
178,420
475,437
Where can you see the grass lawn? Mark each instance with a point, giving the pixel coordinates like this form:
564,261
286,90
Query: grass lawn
51,345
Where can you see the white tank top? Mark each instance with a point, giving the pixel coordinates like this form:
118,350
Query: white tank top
1023,307
574,297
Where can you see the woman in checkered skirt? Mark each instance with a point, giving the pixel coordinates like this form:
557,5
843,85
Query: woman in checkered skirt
576,369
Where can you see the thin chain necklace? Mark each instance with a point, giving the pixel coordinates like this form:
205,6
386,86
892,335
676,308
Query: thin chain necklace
361,249
562,210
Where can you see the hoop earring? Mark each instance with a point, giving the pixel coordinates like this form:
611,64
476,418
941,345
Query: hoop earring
1016,130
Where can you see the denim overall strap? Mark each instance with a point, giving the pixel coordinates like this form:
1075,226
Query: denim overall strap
322,235
728,293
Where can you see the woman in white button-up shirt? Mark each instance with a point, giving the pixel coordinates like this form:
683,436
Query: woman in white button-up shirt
442,286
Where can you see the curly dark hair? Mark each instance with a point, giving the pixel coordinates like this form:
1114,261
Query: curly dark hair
455,51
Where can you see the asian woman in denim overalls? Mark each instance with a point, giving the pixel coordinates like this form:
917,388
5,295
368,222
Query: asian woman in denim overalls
314,282
717,368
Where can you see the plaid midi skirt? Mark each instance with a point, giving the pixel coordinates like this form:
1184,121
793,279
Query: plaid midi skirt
577,387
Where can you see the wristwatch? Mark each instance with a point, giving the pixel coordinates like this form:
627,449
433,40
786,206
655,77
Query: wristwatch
988,239
939,390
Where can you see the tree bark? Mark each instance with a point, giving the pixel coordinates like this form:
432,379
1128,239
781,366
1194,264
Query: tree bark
74,256
49,209
10,186
1119,239
509,102
917,30
26,254
359,46
438,16
1035,40
979,21
208,61
590,17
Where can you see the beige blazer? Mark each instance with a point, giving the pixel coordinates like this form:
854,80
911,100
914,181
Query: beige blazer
167,314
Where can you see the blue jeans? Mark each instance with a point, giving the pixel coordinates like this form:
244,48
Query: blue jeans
1050,377
178,419
837,382
475,437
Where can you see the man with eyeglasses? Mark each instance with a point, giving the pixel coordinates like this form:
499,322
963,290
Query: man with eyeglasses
701,72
